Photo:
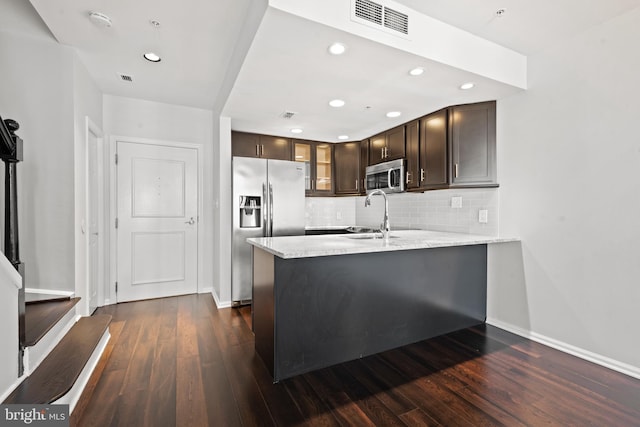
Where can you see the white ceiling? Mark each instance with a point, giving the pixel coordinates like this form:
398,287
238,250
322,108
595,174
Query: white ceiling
287,67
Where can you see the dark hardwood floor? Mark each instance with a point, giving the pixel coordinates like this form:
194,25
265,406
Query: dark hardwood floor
180,361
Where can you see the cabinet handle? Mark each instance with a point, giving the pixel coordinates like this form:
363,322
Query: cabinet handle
455,174
261,150
386,152
421,174
382,153
357,184
257,150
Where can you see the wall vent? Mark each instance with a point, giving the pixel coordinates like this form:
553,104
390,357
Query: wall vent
287,114
126,77
379,16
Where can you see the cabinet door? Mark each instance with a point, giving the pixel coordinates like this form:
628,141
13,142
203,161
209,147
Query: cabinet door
272,147
347,157
302,153
395,143
377,145
472,141
413,155
433,150
245,144
364,162
323,182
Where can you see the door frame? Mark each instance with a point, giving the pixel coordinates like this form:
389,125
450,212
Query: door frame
113,210
92,128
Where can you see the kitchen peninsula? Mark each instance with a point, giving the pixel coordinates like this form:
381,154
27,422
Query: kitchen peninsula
323,300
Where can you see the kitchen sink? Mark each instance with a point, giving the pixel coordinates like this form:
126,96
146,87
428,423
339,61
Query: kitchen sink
367,236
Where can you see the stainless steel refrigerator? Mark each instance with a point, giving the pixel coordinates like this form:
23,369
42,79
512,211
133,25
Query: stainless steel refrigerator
268,200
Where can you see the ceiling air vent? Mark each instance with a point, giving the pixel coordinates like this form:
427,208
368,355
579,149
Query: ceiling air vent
126,77
366,9
379,16
396,20
287,114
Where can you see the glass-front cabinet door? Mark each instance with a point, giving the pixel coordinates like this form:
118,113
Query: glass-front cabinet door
318,160
324,168
302,153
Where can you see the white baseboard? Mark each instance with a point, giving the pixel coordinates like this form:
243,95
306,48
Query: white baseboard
607,362
12,387
205,290
49,292
220,304
72,397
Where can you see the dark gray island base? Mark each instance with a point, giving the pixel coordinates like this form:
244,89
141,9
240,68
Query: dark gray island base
310,313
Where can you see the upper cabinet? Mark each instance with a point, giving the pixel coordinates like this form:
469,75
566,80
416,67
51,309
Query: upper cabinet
387,146
472,144
318,159
263,146
433,151
347,160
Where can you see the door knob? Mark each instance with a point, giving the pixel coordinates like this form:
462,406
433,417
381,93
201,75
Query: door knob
191,221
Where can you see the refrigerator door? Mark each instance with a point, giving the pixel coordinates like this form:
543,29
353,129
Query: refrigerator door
286,198
249,214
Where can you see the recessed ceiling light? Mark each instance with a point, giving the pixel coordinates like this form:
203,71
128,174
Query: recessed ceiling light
467,86
100,19
337,49
416,71
343,137
150,56
296,130
392,114
336,103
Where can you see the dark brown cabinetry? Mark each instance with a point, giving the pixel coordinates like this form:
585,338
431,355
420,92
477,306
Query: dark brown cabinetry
263,146
472,144
433,151
387,146
427,152
347,161
364,162
318,159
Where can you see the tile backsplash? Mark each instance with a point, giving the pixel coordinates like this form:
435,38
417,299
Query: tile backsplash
431,210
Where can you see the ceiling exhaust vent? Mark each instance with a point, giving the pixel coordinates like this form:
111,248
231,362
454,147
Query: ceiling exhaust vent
379,16
287,114
126,77
368,10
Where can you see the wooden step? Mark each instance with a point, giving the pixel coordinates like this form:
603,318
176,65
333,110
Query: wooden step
61,368
40,318
37,298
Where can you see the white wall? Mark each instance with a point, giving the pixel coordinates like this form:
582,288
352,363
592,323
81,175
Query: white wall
569,156
254,11
36,90
154,120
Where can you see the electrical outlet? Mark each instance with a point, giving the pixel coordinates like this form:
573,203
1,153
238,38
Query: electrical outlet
456,202
483,216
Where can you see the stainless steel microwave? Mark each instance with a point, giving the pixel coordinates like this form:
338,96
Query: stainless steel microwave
387,176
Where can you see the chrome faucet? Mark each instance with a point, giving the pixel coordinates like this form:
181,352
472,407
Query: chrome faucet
384,227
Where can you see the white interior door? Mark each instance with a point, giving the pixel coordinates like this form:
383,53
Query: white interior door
157,214
95,265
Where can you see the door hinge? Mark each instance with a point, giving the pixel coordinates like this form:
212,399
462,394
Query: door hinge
116,158
116,287
116,222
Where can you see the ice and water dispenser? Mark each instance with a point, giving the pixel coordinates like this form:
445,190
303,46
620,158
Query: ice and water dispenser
250,212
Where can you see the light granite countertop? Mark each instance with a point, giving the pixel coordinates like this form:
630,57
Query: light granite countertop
287,247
